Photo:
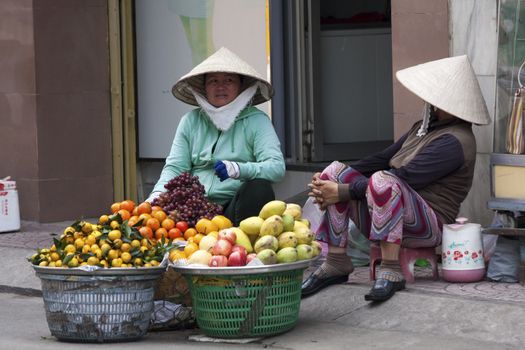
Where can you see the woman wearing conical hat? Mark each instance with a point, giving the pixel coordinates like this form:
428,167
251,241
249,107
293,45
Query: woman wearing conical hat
226,141
403,195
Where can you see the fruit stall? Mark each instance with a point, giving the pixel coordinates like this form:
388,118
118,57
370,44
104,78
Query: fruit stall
100,279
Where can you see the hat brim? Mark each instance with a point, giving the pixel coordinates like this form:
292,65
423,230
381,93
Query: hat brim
449,84
222,61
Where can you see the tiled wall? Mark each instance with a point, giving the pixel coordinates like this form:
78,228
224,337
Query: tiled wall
419,34
55,108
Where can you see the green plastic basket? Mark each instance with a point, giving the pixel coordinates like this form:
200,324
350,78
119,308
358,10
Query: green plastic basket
246,305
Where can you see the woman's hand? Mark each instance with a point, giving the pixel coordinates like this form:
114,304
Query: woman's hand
324,192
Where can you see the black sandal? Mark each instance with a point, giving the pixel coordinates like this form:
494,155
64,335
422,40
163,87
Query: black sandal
384,289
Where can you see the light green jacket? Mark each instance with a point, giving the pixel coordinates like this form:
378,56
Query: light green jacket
251,142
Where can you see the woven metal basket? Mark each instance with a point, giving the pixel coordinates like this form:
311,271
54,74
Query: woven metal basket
107,305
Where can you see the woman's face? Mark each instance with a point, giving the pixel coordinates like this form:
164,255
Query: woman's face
222,88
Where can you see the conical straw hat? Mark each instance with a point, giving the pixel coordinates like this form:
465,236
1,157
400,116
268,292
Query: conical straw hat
223,60
450,85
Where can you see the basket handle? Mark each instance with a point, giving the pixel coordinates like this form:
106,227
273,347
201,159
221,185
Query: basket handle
256,310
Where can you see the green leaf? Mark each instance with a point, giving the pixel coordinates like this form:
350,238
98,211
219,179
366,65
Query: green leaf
67,259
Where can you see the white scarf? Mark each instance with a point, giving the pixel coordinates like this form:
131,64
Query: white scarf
224,117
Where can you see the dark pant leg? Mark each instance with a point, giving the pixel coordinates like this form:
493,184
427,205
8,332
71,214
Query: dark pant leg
249,200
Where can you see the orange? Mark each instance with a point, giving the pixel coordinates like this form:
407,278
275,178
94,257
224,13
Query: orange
114,224
115,207
155,208
205,226
128,205
146,232
161,232
135,211
167,223
124,214
190,233
159,215
133,220
174,233
153,223
144,217
190,248
103,219
144,208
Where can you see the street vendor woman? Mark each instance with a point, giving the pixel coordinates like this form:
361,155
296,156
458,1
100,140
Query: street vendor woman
227,142
403,195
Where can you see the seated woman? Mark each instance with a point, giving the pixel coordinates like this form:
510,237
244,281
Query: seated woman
227,142
406,193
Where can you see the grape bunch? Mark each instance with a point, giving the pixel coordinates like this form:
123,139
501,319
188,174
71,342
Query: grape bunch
184,200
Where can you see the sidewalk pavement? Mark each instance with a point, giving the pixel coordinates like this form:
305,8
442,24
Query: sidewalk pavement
428,314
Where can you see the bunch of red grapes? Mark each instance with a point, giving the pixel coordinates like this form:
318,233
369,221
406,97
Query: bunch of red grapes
184,200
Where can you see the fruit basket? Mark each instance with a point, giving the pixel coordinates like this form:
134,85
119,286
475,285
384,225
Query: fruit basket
246,301
105,305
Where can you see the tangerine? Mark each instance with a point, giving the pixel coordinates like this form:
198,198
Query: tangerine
128,205
174,233
103,219
155,208
124,214
161,232
159,215
190,233
115,207
146,232
153,223
167,223
144,208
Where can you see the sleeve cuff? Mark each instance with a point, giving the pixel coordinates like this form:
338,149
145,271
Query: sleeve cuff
343,192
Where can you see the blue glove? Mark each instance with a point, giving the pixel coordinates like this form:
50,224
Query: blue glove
226,169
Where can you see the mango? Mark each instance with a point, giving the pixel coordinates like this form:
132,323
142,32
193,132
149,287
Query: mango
288,222
287,239
272,226
294,210
287,255
275,207
304,252
266,242
316,248
304,235
267,257
242,239
251,225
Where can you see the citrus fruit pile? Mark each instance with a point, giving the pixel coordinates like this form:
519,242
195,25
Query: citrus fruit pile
124,238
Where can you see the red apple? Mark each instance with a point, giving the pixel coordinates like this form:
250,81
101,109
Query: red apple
237,258
222,247
238,247
218,261
250,257
228,234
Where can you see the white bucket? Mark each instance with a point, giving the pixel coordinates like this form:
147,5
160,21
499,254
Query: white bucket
9,209
462,252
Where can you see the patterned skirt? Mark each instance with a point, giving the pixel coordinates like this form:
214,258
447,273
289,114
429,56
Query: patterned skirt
392,211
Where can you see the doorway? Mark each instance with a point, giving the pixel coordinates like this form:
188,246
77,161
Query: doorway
337,68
